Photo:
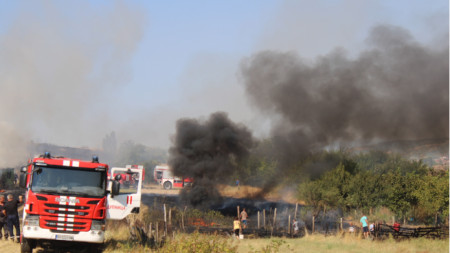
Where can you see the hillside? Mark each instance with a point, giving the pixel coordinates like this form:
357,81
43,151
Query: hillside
433,152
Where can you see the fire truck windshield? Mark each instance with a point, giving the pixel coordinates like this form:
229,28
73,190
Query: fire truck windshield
66,181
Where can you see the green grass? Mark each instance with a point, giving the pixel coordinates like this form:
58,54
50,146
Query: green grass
339,244
117,242
118,239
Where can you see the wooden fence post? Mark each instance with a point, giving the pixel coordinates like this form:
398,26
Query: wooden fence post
258,221
165,221
182,221
274,221
313,224
157,232
296,207
264,218
150,230
182,217
289,224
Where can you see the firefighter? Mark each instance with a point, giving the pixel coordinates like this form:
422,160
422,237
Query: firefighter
12,216
3,225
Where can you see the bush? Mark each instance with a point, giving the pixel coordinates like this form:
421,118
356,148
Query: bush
198,243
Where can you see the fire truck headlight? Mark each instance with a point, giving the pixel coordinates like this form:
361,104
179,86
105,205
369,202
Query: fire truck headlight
98,225
32,220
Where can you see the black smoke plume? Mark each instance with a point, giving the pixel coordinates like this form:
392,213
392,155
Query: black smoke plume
209,152
397,89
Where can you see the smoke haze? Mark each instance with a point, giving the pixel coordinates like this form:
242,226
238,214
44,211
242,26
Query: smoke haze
396,89
57,72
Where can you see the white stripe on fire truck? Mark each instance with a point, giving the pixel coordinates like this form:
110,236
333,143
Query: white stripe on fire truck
72,202
61,216
66,162
60,219
76,164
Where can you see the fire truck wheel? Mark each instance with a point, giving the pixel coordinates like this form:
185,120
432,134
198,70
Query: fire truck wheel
26,246
167,185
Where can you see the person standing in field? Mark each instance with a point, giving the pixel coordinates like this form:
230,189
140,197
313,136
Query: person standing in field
295,227
351,229
372,229
364,226
236,227
244,216
12,216
3,225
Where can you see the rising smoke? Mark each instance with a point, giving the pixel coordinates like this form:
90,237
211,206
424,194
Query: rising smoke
209,152
57,71
395,90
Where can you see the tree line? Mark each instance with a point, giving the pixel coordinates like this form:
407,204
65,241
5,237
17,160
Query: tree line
337,179
347,181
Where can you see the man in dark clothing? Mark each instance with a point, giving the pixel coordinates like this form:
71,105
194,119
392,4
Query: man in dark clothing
3,218
12,216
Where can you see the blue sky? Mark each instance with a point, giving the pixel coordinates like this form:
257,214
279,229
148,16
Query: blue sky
79,70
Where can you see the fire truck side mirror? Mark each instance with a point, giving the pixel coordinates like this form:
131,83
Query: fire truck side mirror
23,177
115,188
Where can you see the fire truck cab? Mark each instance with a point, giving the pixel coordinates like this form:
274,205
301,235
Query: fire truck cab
163,175
67,202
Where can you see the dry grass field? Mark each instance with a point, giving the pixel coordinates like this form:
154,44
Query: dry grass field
117,239
312,243
321,243
243,191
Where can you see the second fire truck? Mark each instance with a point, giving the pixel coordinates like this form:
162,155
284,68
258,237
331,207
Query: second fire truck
163,175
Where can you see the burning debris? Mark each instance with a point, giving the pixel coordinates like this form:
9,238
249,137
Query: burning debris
208,152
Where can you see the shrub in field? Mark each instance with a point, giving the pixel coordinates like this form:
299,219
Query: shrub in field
198,243
208,216
272,247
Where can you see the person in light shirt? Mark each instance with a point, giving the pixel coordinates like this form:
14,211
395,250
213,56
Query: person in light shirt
351,229
364,226
244,217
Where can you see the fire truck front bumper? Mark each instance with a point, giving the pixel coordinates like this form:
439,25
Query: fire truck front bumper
33,232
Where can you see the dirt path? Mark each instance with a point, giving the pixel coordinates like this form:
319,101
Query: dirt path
157,189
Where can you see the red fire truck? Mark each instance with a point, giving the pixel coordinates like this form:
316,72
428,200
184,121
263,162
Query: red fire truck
163,175
68,200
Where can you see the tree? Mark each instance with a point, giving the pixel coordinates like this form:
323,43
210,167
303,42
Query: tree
366,190
335,186
311,193
432,193
7,179
400,191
